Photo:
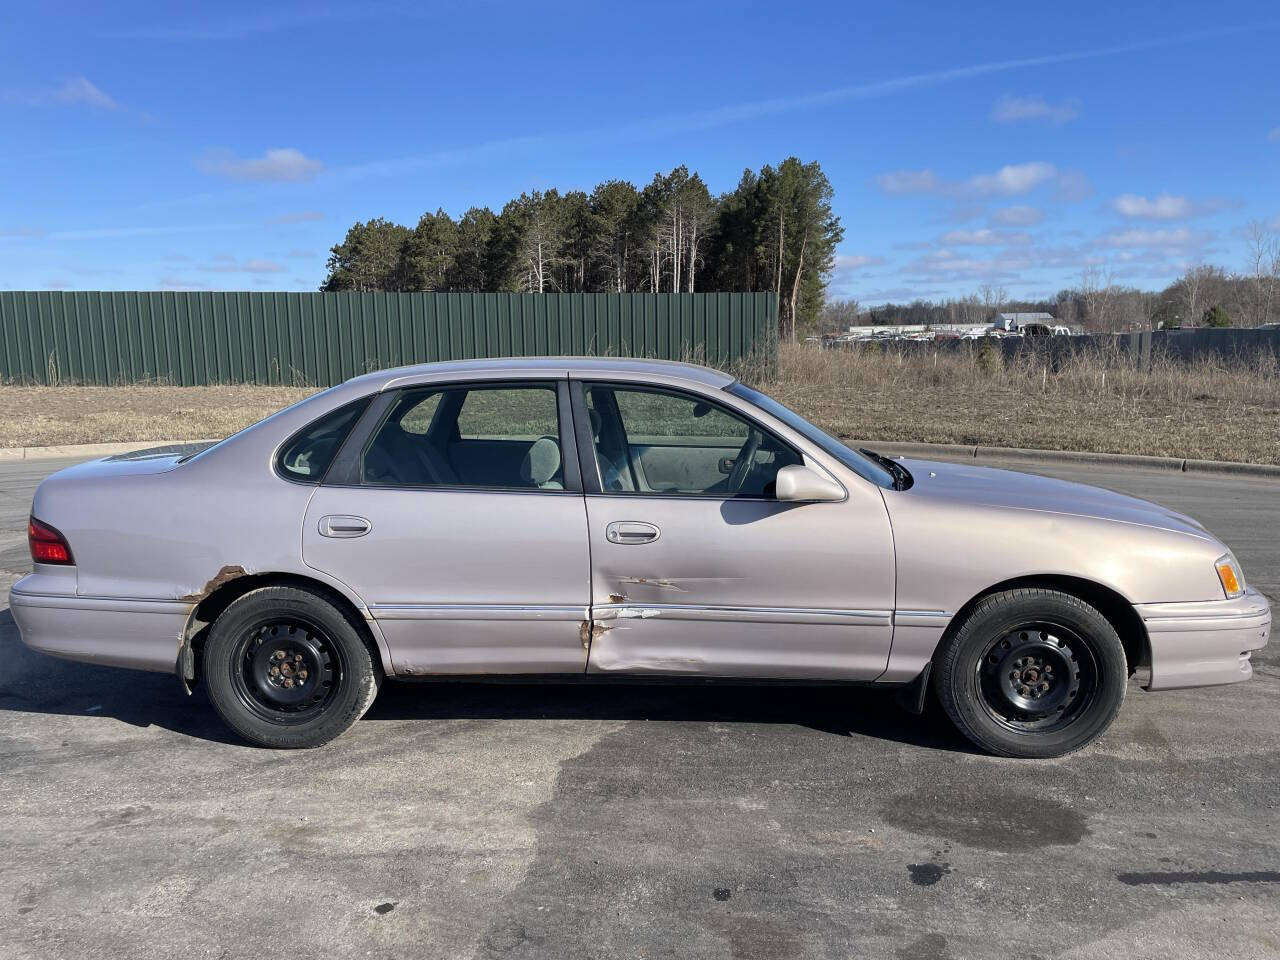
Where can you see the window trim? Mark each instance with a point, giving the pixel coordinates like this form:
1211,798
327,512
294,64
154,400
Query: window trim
277,455
591,482
351,457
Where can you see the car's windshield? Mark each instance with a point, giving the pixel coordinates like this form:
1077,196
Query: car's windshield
865,468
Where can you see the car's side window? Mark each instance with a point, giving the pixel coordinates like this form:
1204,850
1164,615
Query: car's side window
307,455
668,442
498,436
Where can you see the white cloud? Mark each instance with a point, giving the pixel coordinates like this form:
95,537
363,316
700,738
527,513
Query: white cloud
262,266
225,263
1013,179
1180,238
302,216
1073,186
171,282
908,181
983,237
76,91
1165,206
856,261
1010,109
947,264
117,233
1018,216
277,164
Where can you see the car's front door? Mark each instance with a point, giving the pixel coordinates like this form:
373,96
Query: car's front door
697,568
455,513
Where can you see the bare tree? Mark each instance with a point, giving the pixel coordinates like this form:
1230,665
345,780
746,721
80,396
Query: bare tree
1205,285
1264,269
839,314
541,243
993,299
1098,291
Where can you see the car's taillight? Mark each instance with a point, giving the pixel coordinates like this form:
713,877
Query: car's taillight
47,544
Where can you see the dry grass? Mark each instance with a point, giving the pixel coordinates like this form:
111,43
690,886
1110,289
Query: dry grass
40,416
1209,409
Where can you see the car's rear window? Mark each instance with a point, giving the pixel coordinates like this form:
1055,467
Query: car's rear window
307,455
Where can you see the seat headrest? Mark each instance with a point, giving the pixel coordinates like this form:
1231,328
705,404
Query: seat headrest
542,462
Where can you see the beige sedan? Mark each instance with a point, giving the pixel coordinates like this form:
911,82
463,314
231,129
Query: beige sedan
601,519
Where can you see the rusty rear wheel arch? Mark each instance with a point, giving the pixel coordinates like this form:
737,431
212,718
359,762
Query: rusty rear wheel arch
1119,612
210,607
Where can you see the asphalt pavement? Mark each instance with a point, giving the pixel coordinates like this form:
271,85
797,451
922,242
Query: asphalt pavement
476,820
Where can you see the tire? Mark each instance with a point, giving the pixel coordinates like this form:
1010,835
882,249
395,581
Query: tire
285,668
1032,673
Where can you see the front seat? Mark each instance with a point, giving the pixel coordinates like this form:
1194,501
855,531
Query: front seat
541,465
613,475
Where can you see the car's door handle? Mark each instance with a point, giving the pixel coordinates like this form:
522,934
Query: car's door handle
344,526
631,531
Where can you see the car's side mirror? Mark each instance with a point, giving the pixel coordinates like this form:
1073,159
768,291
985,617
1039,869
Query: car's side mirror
804,484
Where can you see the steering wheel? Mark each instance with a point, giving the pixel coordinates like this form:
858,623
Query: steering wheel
745,460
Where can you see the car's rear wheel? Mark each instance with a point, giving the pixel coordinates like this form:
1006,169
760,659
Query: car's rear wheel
285,668
1032,673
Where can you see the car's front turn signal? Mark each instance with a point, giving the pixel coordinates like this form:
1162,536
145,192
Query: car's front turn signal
1230,575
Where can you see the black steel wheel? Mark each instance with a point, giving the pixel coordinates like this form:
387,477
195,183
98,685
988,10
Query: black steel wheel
1039,676
286,667
1032,673
286,670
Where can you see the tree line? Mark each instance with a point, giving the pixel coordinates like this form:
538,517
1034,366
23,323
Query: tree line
774,231
1205,295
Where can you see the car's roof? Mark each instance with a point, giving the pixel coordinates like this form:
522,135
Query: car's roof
667,370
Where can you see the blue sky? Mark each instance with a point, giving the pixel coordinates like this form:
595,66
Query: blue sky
228,146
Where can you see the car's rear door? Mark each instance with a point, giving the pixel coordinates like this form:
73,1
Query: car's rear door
455,512
697,568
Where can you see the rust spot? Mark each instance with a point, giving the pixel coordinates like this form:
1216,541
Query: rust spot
224,576
588,631
617,598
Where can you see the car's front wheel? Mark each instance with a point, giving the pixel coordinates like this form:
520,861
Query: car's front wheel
1032,673
286,668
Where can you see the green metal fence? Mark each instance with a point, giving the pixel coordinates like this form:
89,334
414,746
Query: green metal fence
324,338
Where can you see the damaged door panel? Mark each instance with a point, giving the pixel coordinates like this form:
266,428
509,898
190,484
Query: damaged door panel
744,588
470,562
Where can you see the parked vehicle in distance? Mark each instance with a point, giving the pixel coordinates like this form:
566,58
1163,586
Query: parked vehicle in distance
608,518
1037,329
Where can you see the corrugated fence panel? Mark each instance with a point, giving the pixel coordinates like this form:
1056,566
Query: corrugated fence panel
324,338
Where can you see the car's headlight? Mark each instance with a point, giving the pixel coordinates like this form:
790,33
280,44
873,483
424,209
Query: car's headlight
1231,576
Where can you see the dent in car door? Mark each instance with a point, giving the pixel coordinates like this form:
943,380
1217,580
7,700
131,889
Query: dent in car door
461,580
747,587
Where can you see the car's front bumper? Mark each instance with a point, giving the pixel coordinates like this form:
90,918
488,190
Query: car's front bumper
1204,644
141,634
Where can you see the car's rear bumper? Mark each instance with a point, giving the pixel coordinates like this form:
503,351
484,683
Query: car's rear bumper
140,634
1204,644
